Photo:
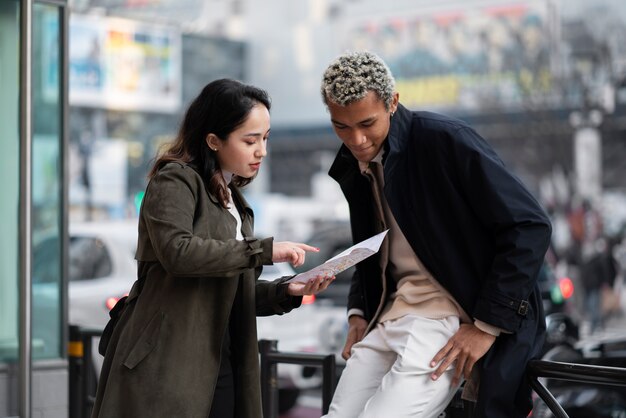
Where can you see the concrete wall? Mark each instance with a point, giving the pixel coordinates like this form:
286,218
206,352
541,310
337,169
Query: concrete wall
50,397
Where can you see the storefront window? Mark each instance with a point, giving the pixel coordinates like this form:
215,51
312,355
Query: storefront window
9,173
47,184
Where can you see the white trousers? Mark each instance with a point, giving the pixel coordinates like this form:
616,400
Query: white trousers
388,373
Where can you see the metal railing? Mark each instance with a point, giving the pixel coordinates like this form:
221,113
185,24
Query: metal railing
270,357
83,379
582,373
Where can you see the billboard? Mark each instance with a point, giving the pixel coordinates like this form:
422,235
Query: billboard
124,65
488,55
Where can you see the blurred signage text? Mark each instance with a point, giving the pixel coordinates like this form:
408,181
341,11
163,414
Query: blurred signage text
469,58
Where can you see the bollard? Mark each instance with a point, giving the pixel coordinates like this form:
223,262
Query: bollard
75,358
82,376
269,378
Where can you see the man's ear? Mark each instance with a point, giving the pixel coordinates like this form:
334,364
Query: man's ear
395,99
213,142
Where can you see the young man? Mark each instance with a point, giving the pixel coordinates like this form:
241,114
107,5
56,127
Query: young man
452,293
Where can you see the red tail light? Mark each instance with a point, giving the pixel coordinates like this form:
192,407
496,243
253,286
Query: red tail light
567,287
308,299
110,302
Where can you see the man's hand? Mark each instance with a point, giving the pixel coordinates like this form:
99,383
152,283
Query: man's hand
467,346
357,326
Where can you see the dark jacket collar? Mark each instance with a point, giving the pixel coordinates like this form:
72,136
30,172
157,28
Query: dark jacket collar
400,126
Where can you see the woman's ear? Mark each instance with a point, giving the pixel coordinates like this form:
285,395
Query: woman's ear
213,142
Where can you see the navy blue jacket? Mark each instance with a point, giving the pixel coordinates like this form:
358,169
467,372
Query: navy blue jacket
473,225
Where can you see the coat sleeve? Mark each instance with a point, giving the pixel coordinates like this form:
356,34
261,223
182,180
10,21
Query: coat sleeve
356,299
168,211
272,297
520,229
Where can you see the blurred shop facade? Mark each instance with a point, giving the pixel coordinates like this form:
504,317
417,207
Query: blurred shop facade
543,80
129,80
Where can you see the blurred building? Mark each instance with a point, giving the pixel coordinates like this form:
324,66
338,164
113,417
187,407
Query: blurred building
130,81
543,80
530,76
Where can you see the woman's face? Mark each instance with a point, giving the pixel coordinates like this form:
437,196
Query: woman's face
242,152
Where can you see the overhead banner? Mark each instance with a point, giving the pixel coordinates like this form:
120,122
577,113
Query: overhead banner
124,65
492,55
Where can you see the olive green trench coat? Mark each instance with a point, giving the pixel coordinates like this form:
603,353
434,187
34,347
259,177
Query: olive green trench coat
194,277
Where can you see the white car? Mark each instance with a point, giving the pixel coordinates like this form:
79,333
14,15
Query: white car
101,268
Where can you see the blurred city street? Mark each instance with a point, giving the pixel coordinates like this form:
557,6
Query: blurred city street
95,91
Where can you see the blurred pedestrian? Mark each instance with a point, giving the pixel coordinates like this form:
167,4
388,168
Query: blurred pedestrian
598,276
453,291
186,343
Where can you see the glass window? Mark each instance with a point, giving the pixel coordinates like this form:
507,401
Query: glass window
9,173
47,183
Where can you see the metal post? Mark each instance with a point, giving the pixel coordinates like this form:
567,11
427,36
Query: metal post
25,320
87,366
65,171
328,382
269,378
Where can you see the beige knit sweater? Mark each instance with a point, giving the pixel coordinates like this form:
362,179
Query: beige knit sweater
416,290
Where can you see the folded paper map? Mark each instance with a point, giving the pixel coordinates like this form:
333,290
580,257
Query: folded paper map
344,260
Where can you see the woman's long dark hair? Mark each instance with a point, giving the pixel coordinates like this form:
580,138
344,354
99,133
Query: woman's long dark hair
221,107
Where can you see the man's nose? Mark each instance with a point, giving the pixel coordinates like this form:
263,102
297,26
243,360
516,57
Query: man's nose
356,137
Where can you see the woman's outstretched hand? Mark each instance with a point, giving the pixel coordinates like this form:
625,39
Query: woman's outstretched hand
311,287
291,252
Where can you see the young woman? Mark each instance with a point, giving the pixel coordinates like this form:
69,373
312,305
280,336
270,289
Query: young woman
186,343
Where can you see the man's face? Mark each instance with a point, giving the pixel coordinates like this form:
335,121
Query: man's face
362,125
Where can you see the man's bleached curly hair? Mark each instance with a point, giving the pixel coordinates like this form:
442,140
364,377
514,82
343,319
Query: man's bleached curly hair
352,75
